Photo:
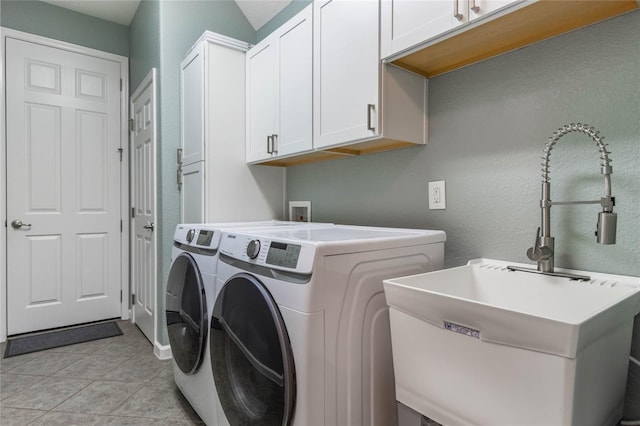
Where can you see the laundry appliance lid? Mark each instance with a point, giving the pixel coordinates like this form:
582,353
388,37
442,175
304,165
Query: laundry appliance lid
345,233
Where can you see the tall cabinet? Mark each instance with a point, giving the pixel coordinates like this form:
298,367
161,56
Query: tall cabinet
216,184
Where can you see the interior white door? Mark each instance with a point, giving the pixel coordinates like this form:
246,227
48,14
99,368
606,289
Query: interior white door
143,265
63,187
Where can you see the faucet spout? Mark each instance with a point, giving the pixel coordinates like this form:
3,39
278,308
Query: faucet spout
542,251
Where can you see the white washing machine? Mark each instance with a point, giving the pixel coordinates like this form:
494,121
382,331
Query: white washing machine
300,329
190,296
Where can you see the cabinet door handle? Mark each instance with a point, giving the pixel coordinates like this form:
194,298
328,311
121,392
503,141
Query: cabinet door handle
456,11
269,144
274,143
474,6
370,108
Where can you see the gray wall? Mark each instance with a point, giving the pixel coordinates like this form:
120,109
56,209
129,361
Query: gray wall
488,125
161,34
46,20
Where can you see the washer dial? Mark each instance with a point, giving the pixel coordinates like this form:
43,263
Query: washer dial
253,249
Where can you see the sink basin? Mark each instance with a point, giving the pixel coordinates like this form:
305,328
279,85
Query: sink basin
480,344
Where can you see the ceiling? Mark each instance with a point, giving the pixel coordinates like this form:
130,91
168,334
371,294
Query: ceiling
258,12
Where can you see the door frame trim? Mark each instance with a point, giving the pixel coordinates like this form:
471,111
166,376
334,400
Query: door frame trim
149,79
124,169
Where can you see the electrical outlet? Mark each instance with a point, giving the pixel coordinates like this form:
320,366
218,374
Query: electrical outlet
437,196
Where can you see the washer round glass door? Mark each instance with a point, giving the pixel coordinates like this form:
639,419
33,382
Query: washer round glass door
186,312
251,355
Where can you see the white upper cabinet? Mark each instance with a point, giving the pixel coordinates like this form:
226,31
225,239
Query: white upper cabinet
261,99
432,37
406,23
346,71
360,105
279,91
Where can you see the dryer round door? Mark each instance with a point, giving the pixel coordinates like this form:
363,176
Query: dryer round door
251,355
186,312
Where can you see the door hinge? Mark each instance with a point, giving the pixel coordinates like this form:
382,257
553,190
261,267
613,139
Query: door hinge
121,85
120,151
120,225
133,300
133,212
131,125
120,296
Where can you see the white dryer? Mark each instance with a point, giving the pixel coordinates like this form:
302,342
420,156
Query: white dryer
190,296
300,329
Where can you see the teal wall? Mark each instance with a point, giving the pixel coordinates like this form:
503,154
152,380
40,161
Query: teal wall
46,20
488,124
144,44
161,34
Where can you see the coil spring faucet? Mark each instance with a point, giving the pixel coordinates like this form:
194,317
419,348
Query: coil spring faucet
542,250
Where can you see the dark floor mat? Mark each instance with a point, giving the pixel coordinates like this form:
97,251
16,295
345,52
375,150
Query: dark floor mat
54,339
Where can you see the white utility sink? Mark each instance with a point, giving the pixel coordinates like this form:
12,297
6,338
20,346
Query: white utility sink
479,344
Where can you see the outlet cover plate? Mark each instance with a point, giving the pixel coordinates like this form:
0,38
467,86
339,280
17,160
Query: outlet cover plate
437,195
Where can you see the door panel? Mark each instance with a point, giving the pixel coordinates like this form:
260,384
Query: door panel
192,107
63,184
192,193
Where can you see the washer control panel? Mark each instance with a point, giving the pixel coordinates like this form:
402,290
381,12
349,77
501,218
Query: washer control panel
277,254
283,254
197,236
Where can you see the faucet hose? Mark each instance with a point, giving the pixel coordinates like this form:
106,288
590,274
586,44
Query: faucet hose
605,162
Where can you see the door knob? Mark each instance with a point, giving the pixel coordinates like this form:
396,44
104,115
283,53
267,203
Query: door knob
149,226
17,224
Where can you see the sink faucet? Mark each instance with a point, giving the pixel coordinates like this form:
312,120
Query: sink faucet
543,246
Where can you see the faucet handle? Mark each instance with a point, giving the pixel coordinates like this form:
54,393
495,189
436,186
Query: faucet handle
538,252
534,253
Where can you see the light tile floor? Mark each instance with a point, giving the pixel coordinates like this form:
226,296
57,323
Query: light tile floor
113,381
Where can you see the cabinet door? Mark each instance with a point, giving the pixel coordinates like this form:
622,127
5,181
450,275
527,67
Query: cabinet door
479,8
192,106
192,193
346,71
261,101
406,23
294,85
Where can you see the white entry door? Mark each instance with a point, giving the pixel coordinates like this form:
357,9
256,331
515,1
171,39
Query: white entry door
144,205
63,187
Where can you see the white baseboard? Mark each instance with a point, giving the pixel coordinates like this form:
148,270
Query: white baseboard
162,351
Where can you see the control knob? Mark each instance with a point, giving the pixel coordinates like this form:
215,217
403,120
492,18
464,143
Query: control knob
190,234
253,249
